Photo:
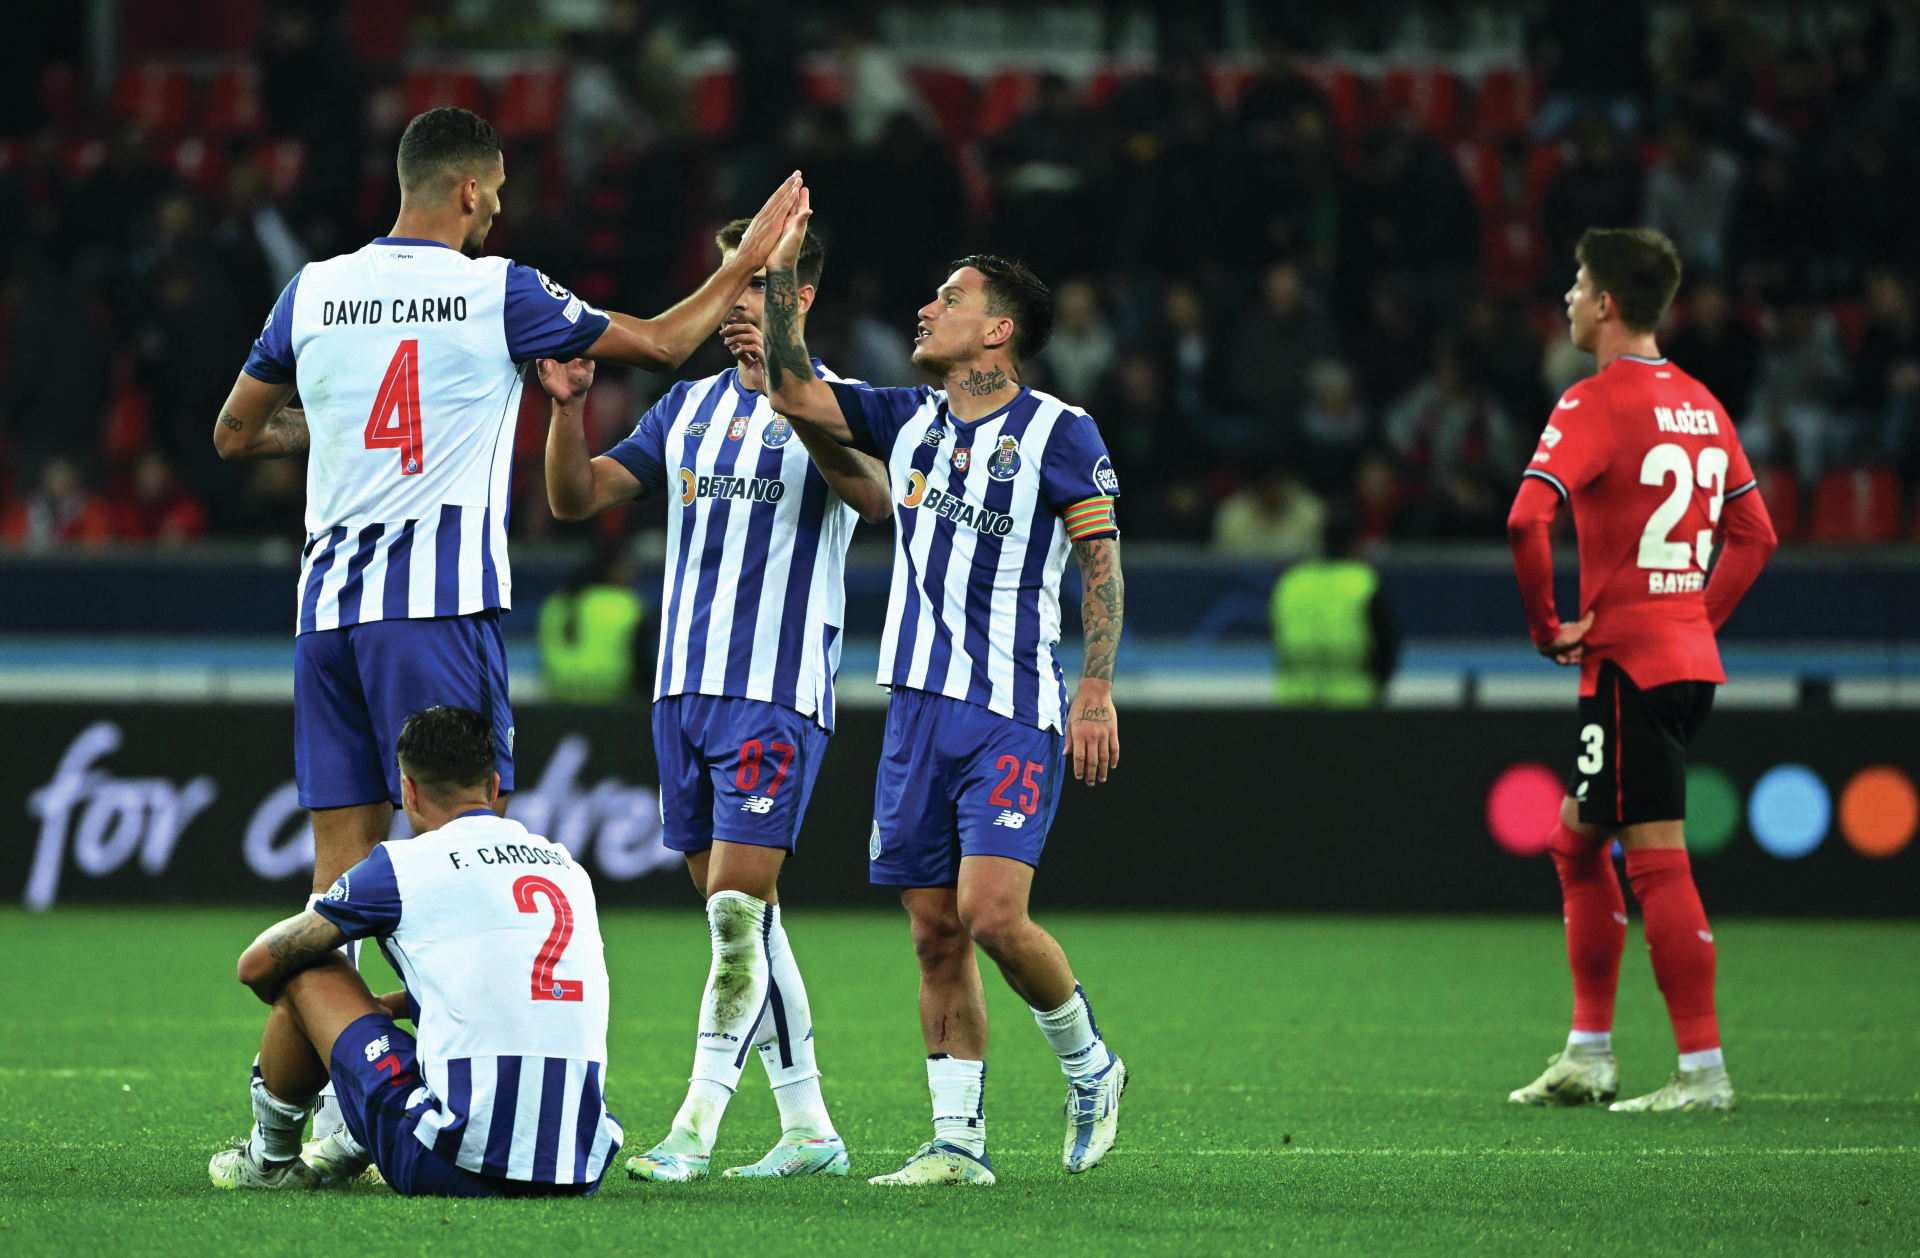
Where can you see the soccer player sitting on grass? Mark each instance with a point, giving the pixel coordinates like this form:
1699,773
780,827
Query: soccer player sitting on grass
494,933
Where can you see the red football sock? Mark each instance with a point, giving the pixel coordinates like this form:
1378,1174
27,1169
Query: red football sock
1681,943
1596,925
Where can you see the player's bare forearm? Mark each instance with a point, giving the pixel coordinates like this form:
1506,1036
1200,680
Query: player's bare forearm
662,343
578,485
256,423
859,479
286,948
1093,726
792,388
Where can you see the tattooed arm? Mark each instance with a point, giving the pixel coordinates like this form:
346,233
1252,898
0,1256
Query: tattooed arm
255,422
792,388
285,949
1093,727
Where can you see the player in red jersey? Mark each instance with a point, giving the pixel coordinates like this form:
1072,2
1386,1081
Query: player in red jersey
1647,460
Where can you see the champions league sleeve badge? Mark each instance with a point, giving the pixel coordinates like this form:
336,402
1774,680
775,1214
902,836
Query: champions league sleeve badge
1005,461
777,432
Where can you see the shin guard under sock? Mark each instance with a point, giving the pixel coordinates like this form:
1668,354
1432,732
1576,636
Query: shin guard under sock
1680,942
1596,916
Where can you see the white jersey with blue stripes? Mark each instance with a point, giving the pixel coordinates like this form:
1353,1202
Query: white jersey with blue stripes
494,931
754,596
409,357
985,515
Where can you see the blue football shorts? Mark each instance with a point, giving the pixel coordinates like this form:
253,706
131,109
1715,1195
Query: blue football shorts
354,688
738,770
958,780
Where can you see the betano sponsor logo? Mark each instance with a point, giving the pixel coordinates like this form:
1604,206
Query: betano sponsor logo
953,507
748,488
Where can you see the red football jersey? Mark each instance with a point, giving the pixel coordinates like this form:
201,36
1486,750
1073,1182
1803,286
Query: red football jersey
1645,457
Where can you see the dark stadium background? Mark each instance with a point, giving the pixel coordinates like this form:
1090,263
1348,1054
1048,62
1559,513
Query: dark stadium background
1291,246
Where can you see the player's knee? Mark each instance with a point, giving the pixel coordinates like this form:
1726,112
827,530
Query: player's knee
995,927
939,941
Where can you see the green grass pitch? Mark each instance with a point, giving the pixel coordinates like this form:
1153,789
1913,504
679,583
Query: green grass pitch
1322,1085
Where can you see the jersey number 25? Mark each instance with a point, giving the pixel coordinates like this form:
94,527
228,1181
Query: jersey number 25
395,422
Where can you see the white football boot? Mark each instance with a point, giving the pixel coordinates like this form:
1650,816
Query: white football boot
662,1166
1707,1088
1572,1078
802,1155
1093,1116
338,1160
939,1163
237,1167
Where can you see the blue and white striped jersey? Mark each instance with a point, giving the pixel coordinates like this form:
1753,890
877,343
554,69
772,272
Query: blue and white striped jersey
494,931
754,596
985,514
408,357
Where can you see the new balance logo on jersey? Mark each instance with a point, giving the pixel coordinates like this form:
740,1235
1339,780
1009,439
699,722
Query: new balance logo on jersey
1687,419
955,508
699,429
933,438
759,805
1010,819
339,890
378,1048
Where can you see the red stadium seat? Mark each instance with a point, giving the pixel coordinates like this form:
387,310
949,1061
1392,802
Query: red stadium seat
1504,104
1852,318
1347,93
530,104
1781,492
950,95
284,161
233,101
80,158
713,103
1228,83
1432,96
430,89
200,164
1007,97
823,85
1482,166
156,95
1861,505
1543,163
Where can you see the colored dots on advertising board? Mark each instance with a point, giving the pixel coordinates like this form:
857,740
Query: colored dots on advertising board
1879,811
1789,811
1523,807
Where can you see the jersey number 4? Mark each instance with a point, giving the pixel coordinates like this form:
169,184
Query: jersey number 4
545,985
1669,459
395,422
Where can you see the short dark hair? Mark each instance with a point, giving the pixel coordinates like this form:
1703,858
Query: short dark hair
813,254
446,749
1637,265
1017,293
445,141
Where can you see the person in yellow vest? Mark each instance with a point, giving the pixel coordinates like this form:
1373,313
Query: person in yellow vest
591,647
1334,629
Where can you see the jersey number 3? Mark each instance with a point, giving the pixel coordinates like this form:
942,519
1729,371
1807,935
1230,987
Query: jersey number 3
395,422
1668,459
545,985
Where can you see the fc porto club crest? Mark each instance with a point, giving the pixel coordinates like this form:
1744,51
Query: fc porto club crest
873,843
961,458
777,432
737,429
1005,461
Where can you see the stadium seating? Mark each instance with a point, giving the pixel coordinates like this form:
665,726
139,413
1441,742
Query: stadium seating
1007,96
531,103
1860,505
951,96
233,101
1503,105
1432,96
1781,492
157,95
713,104
429,89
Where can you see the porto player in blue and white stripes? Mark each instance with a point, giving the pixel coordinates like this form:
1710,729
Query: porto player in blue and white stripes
994,484
750,630
494,932
408,355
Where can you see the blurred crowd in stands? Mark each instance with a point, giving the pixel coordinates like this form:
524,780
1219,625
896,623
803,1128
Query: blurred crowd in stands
1288,283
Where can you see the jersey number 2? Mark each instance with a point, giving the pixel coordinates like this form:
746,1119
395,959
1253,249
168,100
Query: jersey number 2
545,985
1668,459
395,422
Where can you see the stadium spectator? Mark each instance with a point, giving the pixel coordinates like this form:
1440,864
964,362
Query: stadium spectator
1599,187
1334,429
1886,375
1276,518
1389,351
1284,337
1455,437
1289,201
1592,59
1777,233
1500,354
1082,347
908,211
1717,347
1191,369
60,511
1689,197
56,372
882,351
1796,419
1041,203
1708,63
1380,498
1416,223
155,507
878,89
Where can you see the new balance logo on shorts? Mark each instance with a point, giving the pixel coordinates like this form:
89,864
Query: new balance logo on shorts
759,805
377,1047
1010,819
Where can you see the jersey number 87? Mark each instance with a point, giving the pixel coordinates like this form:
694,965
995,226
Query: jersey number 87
395,422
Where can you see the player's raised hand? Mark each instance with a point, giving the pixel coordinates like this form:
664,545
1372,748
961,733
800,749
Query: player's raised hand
765,229
1568,645
1093,731
565,381
743,342
786,251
